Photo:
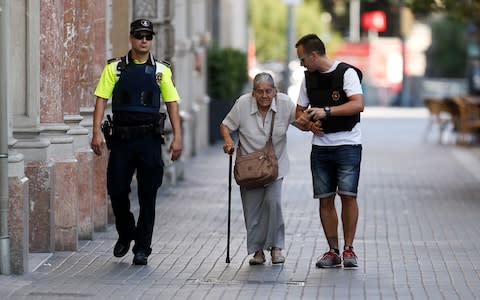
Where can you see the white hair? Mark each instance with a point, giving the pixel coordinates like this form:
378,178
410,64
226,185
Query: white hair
263,77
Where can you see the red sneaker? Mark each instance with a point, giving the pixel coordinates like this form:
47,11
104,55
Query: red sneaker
329,259
349,259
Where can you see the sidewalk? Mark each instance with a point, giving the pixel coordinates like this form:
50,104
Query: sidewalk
417,235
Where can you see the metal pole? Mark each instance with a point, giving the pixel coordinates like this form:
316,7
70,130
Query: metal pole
4,236
404,101
354,24
290,32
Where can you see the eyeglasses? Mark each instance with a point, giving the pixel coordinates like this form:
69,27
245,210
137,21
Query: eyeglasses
140,36
302,58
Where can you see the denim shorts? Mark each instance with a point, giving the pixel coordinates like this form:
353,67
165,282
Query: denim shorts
335,169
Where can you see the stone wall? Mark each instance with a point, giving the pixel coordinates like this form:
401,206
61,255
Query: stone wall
51,103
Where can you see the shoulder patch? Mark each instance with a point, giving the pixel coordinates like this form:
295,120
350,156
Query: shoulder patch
113,60
158,77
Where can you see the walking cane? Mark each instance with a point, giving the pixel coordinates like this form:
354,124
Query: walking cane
229,206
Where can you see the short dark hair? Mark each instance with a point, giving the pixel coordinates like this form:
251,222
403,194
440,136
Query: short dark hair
311,43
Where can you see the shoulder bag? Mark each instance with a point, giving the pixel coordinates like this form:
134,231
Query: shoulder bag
259,168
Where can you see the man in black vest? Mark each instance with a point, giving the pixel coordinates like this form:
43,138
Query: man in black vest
329,104
136,83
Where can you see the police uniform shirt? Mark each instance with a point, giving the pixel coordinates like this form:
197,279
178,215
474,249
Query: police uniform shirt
109,78
351,86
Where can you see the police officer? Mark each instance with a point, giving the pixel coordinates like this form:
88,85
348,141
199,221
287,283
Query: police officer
136,83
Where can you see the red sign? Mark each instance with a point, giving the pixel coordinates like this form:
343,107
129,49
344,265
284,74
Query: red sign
379,59
375,20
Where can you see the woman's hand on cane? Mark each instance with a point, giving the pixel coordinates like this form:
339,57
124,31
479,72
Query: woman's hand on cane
228,148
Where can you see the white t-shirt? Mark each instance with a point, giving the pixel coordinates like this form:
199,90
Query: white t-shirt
351,86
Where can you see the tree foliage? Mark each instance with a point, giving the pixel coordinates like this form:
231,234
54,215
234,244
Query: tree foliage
268,20
340,10
466,11
446,56
227,73
463,10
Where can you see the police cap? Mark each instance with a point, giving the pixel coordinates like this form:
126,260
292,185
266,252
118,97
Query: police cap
141,25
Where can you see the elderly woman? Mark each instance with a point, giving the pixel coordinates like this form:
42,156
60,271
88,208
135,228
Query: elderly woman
251,116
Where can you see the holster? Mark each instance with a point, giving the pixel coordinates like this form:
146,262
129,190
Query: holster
160,126
107,130
161,123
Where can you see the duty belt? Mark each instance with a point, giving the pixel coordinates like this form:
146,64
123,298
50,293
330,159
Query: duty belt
126,132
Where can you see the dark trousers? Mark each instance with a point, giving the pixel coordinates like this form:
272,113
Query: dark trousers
143,155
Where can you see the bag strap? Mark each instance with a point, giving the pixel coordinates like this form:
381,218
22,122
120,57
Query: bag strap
271,128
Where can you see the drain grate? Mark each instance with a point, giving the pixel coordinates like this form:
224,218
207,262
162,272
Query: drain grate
205,281
213,281
60,294
295,283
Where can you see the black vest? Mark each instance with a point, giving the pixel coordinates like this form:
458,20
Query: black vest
326,89
136,90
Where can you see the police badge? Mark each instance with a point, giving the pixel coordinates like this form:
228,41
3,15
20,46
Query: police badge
336,95
158,77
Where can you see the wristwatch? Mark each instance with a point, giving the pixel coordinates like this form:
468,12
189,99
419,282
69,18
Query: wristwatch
328,112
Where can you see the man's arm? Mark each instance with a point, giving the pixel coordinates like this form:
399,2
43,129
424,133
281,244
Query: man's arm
98,143
302,121
354,105
174,116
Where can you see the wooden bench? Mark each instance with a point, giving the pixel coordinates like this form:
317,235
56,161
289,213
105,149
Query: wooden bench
443,114
468,123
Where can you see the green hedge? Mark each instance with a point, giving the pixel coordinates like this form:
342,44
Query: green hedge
227,73
447,55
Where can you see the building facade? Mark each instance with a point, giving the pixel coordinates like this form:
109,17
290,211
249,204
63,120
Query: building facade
53,189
